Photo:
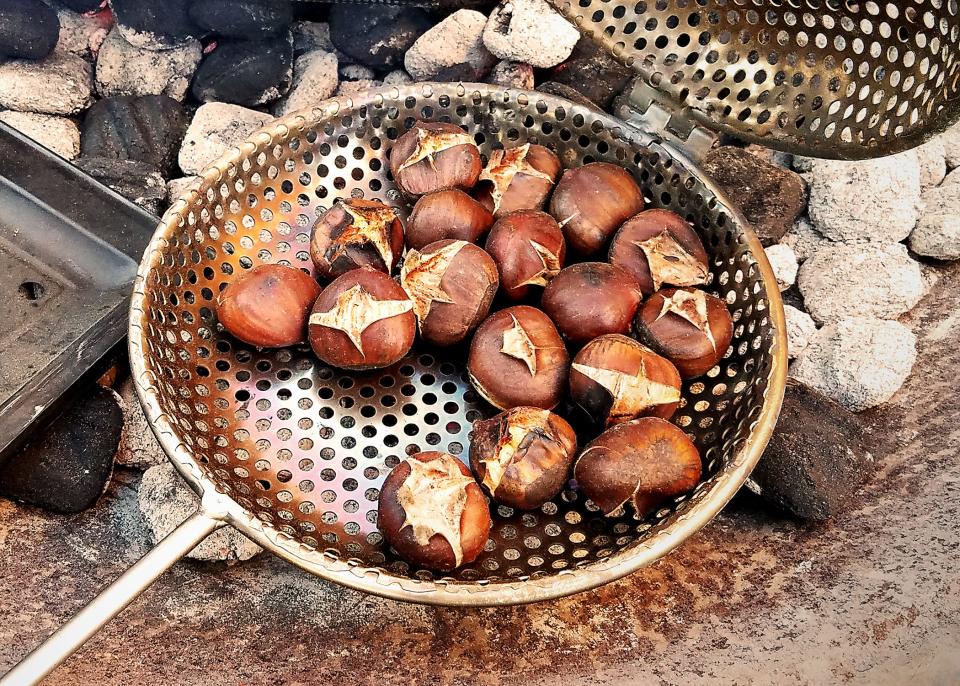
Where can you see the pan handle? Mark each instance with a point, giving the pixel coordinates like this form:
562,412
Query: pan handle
111,600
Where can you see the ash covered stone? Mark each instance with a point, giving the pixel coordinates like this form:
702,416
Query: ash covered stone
564,91
123,69
356,72
800,329
453,50
512,75
804,238
951,145
529,31
137,181
216,127
311,35
593,73
377,36
932,157
245,73
315,79
28,29
177,187
784,263
82,34
59,84
354,87
138,447
59,134
154,24
242,18
937,233
397,77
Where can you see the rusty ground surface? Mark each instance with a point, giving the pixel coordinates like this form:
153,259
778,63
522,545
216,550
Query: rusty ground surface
873,597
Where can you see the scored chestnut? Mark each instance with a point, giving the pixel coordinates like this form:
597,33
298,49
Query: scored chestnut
432,511
432,156
518,358
659,247
522,457
614,379
689,327
356,233
593,201
449,213
451,284
362,320
529,250
517,179
268,306
590,299
643,462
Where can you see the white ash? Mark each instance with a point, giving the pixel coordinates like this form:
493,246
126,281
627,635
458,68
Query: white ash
804,239
82,34
872,280
784,263
951,145
59,134
859,362
937,234
216,127
356,72
800,329
456,40
59,84
138,446
354,87
512,75
933,163
123,69
166,501
398,77
315,79
529,31
177,187
868,200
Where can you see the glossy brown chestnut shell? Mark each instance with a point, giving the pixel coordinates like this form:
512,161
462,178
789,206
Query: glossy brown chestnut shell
451,284
591,202
644,463
356,233
433,513
268,306
362,320
432,156
658,248
522,457
529,250
689,327
449,213
614,379
517,179
518,358
591,299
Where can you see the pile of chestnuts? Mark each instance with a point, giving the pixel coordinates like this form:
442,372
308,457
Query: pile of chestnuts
547,322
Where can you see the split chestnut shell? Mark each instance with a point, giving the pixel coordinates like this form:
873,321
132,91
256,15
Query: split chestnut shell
356,233
518,179
529,250
432,156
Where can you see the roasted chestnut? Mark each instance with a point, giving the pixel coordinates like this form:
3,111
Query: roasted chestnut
522,457
517,179
432,511
659,247
362,320
614,379
590,299
529,250
690,328
268,306
591,202
432,156
356,233
643,462
449,213
518,358
451,284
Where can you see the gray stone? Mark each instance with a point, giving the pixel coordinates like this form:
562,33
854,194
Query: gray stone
123,69
869,280
590,71
398,77
356,72
784,263
933,164
139,182
154,24
512,75
28,29
138,446
859,362
937,234
529,31
245,72
800,329
59,134
59,84
951,145
804,238
377,34
166,501
216,127
315,79
82,34
177,187
452,50
866,200
311,35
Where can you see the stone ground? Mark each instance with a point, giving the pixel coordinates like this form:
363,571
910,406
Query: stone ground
873,597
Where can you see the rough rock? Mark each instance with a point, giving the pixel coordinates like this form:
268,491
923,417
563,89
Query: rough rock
166,501
937,233
951,145
123,69
453,50
866,200
512,75
376,35
66,466
777,157
311,35
816,457
315,79
356,72
784,263
804,239
859,362
593,73
28,29
398,77
136,181
59,84
933,164
245,73
138,447
564,91
216,127
242,18
869,280
529,31
82,34
154,24
354,87
177,187
59,134
147,129
800,328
